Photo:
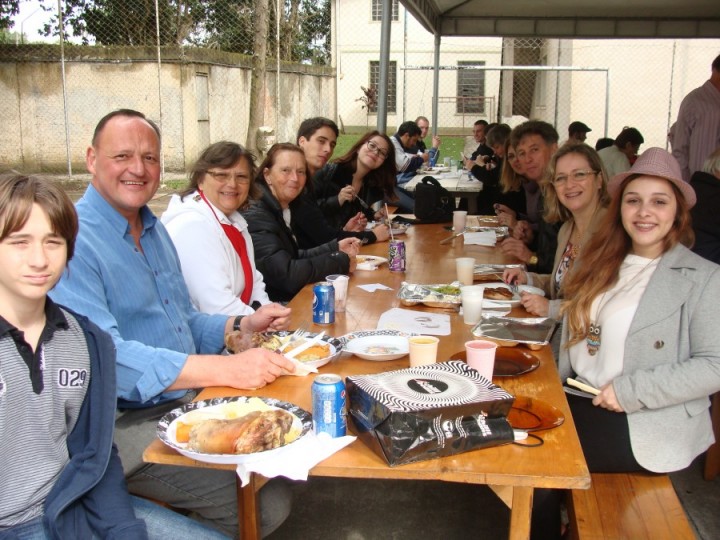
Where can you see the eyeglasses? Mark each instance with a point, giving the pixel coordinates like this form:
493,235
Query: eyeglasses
375,149
240,178
578,176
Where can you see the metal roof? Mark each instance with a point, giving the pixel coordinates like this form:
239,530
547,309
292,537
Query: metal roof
569,18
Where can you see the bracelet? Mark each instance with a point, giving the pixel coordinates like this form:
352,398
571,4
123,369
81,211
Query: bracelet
237,322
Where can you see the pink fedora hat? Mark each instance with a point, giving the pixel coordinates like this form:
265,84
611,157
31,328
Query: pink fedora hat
656,162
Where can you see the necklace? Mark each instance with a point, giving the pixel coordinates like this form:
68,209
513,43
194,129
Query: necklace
594,331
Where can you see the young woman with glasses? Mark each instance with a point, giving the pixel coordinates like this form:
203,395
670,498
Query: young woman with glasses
347,188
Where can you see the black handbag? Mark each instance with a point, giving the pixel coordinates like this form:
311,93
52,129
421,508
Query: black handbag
433,203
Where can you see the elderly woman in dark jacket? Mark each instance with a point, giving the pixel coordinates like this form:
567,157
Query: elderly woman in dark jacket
705,216
287,268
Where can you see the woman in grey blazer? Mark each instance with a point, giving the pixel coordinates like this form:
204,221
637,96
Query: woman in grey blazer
641,326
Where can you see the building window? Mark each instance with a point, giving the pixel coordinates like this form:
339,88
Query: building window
392,85
377,10
470,89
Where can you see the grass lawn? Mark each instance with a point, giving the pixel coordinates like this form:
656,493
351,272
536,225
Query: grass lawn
450,146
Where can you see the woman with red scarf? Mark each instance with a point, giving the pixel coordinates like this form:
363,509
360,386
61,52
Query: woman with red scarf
210,235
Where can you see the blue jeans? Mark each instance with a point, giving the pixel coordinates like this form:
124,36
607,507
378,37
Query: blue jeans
161,524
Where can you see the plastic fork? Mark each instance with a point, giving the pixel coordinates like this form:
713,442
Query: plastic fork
299,333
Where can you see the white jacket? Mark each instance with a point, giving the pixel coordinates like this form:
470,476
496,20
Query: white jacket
210,265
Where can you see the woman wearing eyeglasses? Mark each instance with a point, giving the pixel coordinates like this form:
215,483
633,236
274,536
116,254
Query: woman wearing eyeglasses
365,174
211,237
575,194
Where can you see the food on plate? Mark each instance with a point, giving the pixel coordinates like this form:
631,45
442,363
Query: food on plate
316,352
255,432
363,259
450,290
238,341
497,293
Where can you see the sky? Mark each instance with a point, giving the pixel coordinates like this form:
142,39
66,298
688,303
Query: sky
31,19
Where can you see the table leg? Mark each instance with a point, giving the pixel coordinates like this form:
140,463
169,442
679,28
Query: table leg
712,457
248,509
472,203
520,513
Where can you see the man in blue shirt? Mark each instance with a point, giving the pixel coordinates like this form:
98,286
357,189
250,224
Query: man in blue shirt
126,277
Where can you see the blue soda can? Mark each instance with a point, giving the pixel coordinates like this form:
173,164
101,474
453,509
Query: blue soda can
397,256
323,303
328,404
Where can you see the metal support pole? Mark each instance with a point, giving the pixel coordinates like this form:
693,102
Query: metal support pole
384,65
64,88
436,85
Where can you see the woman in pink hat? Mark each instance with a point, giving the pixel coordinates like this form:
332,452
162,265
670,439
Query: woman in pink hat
640,325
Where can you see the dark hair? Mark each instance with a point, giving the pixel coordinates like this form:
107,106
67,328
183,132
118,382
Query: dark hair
716,64
497,135
534,127
604,142
271,156
309,126
223,154
629,135
19,192
409,127
481,123
382,177
122,112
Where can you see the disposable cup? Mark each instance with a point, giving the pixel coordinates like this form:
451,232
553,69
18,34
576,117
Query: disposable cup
459,220
480,356
423,350
340,284
472,299
465,267
446,162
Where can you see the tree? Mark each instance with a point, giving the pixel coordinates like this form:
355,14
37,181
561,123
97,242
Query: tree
257,81
8,10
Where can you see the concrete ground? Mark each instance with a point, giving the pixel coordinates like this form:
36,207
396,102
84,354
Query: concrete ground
345,509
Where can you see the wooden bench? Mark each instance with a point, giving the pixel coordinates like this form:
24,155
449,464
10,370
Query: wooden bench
628,506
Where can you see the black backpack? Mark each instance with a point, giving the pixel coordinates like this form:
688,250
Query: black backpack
433,203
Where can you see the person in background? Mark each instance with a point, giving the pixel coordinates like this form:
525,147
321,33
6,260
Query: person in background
487,169
317,137
61,476
511,196
407,164
617,158
533,241
603,142
577,132
281,178
696,133
705,215
640,325
420,148
575,195
365,173
126,277
210,236
475,145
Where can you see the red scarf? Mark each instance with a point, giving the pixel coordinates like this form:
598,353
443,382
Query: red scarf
238,242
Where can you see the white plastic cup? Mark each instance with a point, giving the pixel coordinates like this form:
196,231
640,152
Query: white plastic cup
423,350
459,220
340,284
465,267
472,299
480,356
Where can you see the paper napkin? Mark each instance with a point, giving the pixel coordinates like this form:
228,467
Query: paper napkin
372,287
415,322
482,238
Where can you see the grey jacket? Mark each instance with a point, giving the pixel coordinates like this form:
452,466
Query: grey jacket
671,363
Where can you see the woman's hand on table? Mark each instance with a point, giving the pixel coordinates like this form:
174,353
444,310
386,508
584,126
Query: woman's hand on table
516,276
346,194
381,232
255,368
516,248
607,399
270,317
506,215
350,246
523,232
357,223
535,304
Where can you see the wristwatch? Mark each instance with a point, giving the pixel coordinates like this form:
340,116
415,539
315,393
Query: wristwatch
239,318
533,260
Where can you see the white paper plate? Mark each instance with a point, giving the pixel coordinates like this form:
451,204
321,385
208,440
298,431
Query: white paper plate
166,430
370,262
377,345
494,303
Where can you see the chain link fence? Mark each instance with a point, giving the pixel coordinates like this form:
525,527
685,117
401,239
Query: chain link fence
186,64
